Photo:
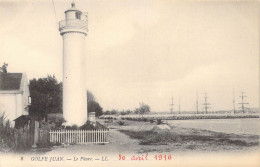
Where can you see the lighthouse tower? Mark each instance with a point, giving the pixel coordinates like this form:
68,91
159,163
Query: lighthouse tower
73,31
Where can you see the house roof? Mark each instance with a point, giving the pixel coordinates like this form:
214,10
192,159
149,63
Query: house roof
23,118
10,81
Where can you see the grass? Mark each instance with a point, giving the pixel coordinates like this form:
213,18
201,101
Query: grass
152,138
7,142
121,123
194,139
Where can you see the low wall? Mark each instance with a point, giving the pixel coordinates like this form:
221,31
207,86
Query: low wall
180,117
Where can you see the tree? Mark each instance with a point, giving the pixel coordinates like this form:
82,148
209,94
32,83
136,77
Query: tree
128,112
46,94
93,105
123,113
113,112
90,96
107,113
4,67
143,109
136,111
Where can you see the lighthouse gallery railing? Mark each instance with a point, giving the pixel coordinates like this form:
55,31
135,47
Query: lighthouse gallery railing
73,24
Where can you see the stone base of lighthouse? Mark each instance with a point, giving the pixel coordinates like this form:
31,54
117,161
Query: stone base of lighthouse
74,87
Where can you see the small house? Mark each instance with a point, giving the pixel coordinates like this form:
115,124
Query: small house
14,95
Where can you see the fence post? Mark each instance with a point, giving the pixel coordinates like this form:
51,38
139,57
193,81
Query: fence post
64,136
106,136
69,139
50,136
36,133
87,136
92,136
71,136
53,136
59,136
97,135
95,139
102,136
79,136
82,137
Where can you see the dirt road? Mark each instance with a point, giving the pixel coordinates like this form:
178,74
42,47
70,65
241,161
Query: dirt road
119,143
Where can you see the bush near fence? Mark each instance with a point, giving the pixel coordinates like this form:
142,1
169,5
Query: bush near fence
7,140
23,138
87,126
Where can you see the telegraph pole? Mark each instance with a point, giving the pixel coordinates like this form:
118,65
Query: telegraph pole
242,101
172,106
206,104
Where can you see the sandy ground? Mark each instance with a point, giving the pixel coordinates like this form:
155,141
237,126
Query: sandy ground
118,143
185,151
121,142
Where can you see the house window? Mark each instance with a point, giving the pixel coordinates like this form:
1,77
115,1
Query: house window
29,100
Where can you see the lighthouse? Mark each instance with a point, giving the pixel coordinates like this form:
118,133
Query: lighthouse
73,31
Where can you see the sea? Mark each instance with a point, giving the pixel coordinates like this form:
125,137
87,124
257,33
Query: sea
249,126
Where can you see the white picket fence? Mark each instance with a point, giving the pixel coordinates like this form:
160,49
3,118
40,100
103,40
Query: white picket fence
79,136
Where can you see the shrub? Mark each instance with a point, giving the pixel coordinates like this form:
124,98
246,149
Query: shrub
7,141
87,126
44,145
151,120
121,123
145,119
159,121
139,119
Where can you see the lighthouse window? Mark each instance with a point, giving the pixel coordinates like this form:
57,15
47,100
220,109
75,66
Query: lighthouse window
78,15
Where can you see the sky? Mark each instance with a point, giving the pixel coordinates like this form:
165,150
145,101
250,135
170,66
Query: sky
143,50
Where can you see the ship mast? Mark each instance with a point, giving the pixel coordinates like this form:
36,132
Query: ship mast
206,104
242,101
172,106
179,105
197,103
